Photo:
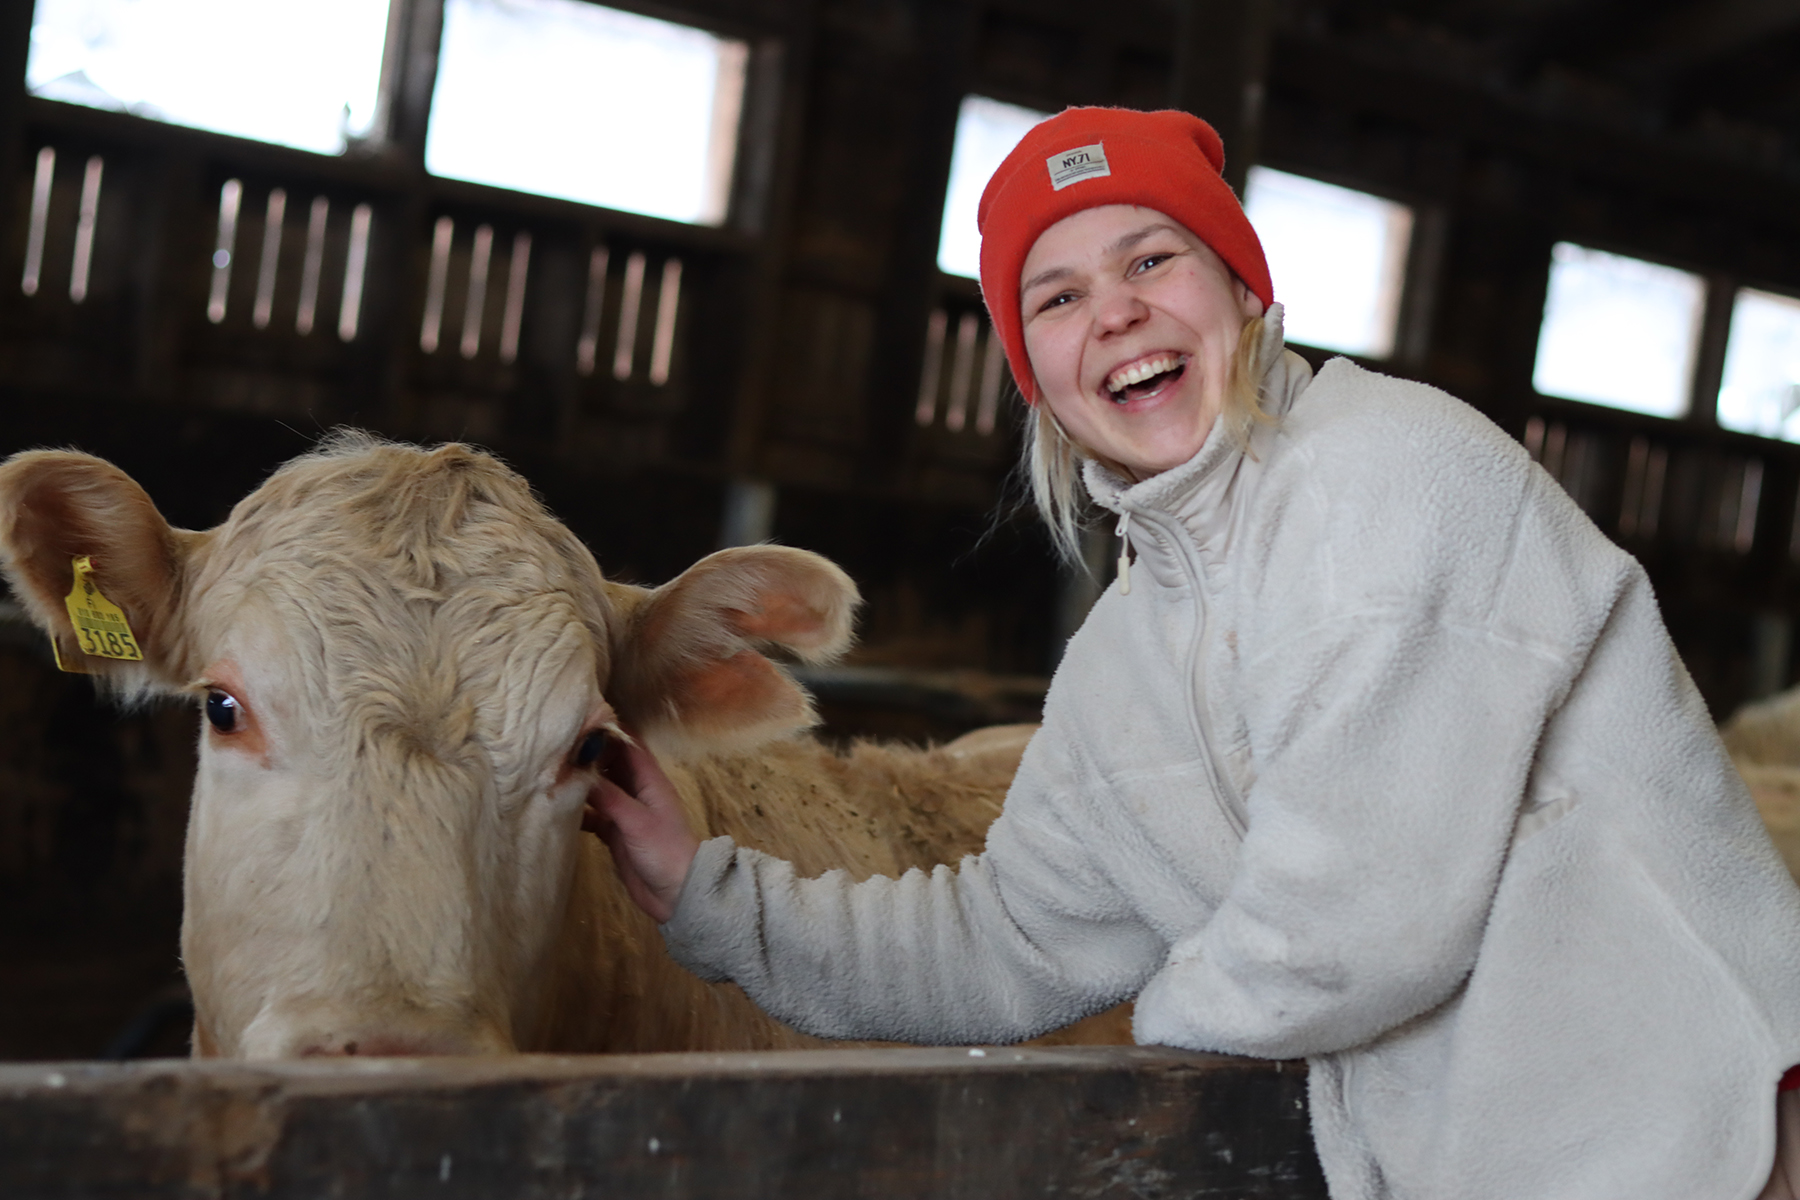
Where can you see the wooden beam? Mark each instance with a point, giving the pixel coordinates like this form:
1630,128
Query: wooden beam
963,697
911,287
1511,10
408,76
15,50
772,146
991,1123
1699,33
1670,166
1221,67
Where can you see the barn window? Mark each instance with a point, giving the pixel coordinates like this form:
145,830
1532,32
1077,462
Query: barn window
302,75
569,99
1619,331
1338,258
986,132
1760,392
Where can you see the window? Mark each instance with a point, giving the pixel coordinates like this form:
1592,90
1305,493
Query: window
1619,331
1760,392
302,75
1338,258
568,99
986,132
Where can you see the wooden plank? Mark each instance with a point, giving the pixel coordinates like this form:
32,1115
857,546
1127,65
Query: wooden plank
993,1123
1698,34
1352,81
965,698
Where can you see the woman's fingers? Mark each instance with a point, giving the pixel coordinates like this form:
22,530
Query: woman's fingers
616,808
636,770
636,811
630,780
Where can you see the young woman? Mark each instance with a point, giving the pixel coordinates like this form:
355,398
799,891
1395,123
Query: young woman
1377,753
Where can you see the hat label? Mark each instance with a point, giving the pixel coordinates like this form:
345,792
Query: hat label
1072,166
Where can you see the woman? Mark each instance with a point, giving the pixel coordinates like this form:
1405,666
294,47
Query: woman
1377,754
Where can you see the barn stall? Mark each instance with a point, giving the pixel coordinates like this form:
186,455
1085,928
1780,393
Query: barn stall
793,357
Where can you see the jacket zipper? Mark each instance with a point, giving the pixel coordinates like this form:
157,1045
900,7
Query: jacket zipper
1230,803
1123,532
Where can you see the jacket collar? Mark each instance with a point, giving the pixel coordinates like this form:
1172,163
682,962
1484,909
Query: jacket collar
1195,492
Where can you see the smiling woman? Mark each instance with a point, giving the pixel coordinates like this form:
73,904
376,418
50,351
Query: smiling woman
1132,324
1315,786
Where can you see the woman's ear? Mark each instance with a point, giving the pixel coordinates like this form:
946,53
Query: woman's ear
1249,303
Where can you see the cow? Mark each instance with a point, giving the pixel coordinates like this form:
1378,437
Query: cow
408,674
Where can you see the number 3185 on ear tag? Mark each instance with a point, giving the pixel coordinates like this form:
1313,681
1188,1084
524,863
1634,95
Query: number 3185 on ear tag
100,625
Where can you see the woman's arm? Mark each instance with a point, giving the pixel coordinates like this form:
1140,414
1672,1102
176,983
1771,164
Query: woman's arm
1024,938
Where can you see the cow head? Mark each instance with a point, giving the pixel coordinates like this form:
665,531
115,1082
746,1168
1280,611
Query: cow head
406,670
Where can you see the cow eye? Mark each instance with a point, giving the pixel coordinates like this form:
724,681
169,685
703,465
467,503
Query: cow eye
590,748
222,710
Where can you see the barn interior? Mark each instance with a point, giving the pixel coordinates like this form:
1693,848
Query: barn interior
716,290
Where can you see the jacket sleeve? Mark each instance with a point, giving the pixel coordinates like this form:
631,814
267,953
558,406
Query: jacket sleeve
1394,711
1023,938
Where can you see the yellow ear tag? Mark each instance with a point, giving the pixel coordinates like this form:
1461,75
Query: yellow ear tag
100,624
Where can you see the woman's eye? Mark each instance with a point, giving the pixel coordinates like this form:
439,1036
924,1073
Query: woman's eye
1152,261
1056,301
222,711
591,747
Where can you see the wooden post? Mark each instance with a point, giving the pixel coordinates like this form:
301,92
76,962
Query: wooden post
1221,65
991,1123
15,50
772,150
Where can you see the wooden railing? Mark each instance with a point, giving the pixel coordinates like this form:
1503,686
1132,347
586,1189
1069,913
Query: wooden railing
987,1123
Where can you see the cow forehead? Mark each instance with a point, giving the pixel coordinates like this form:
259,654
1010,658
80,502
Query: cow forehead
435,521
428,590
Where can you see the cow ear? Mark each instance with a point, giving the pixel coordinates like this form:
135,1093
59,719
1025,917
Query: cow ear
690,671
58,506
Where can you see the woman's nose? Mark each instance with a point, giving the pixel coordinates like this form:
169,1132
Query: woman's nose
1117,309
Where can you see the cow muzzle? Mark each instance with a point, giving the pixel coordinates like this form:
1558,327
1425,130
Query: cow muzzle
366,1038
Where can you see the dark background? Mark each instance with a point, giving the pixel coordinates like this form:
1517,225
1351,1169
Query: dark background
1664,129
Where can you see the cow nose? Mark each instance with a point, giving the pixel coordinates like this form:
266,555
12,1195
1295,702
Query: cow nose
396,1045
317,1031
372,1047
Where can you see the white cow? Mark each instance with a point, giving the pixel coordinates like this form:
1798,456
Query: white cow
408,672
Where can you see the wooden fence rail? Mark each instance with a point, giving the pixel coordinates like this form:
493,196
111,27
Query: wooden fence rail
941,1123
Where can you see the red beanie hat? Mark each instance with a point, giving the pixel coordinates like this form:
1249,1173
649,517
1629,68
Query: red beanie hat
1086,157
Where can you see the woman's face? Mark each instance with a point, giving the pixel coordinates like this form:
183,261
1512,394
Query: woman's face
1131,324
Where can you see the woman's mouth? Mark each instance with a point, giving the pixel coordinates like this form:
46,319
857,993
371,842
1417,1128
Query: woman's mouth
1145,377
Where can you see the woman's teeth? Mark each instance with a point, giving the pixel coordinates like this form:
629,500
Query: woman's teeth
1138,372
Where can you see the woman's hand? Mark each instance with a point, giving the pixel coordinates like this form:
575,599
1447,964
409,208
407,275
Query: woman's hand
636,812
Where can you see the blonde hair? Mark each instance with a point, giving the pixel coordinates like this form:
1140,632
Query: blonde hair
1052,460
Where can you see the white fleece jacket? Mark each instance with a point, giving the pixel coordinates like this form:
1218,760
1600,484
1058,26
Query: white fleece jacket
1385,760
